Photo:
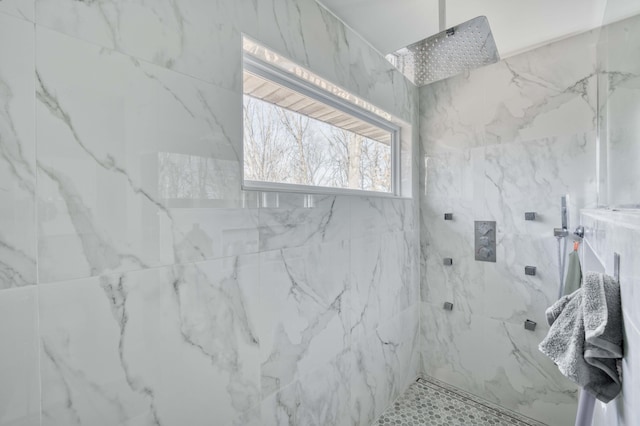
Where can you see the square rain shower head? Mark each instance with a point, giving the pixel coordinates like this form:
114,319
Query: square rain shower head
450,52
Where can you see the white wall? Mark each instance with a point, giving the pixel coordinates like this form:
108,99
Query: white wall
610,232
497,142
120,307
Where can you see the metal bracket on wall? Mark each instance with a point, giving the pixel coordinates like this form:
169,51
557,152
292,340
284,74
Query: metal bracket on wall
530,325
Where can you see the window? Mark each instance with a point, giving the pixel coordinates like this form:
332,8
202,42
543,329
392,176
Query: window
300,136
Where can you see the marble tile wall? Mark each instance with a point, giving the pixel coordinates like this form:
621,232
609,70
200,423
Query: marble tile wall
497,142
619,107
610,232
139,285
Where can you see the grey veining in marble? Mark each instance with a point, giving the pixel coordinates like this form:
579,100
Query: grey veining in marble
608,232
17,154
497,142
154,344
306,315
168,295
322,397
618,94
131,162
23,9
384,364
19,370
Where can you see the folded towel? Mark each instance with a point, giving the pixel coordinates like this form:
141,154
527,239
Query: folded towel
585,338
574,273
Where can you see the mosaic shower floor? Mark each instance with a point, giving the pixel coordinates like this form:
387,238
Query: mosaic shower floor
432,402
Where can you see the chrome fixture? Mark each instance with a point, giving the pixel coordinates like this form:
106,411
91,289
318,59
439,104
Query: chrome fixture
561,235
530,216
529,270
450,52
447,261
448,216
448,306
485,241
530,325
560,232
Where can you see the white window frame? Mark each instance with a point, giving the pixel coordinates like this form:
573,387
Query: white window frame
279,76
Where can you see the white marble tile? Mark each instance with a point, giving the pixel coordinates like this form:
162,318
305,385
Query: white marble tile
620,129
384,86
497,361
19,370
304,296
384,279
384,363
618,89
307,34
209,233
453,173
17,154
608,232
546,92
497,142
158,346
319,398
450,346
524,380
19,8
118,158
512,296
550,91
311,36
292,220
375,215
533,175
501,182
461,283
198,38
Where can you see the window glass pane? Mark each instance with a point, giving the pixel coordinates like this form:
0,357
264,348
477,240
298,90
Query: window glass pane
283,146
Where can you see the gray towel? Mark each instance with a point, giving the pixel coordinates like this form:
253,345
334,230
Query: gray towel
574,273
585,338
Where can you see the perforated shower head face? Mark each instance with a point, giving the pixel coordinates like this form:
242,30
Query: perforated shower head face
463,47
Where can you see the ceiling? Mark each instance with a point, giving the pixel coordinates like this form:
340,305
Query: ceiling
517,25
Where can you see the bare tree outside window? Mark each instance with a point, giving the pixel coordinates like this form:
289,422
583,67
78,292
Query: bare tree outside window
283,146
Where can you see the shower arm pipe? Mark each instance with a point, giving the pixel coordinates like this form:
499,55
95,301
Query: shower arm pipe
562,254
561,235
